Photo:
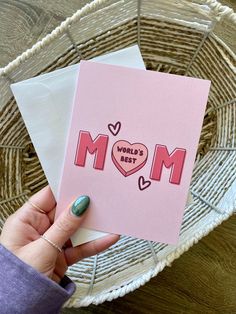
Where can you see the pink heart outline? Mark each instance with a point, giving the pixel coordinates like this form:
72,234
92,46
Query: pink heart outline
114,128
125,172
143,184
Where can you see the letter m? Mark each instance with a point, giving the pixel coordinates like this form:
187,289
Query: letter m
175,161
97,147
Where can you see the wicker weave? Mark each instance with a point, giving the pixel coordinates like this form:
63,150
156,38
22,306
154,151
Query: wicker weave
177,37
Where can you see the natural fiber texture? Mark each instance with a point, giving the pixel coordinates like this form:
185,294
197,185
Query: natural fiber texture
177,37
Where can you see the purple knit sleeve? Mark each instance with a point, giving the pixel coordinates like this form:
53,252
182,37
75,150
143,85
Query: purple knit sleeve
23,290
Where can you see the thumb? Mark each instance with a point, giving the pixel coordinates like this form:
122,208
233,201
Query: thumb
68,222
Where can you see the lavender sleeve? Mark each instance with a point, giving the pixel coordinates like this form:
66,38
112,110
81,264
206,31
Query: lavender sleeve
23,290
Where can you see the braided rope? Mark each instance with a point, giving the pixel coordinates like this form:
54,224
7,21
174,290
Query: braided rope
219,10
129,287
88,8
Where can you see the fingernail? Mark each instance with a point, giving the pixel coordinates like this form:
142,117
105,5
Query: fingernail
80,205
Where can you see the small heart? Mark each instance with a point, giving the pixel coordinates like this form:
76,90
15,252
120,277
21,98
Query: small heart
114,128
129,158
143,184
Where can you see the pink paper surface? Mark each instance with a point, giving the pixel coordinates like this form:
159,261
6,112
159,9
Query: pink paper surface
146,109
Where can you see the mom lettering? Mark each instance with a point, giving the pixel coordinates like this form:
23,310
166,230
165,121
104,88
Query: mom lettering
130,158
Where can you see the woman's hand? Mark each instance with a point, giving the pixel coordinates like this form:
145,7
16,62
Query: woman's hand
22,232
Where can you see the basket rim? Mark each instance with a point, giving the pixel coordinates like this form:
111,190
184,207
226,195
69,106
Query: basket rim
216,7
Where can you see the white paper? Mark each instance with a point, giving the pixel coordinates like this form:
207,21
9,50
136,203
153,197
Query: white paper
45,103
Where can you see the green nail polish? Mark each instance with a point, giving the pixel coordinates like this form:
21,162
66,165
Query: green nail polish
80,205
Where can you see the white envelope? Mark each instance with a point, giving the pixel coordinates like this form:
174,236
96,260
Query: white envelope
45,103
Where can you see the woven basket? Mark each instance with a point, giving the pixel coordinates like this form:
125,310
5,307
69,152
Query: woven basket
180,37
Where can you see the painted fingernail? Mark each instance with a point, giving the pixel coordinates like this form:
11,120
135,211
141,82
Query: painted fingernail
80,205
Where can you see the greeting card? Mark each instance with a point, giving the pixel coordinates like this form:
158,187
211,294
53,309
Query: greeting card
47,117
131,148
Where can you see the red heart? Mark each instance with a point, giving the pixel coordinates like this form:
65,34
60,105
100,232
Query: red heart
129,158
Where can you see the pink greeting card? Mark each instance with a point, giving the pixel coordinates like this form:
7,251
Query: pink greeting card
131,148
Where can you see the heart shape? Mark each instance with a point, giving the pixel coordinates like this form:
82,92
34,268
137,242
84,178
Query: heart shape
114,128
143,184
129,158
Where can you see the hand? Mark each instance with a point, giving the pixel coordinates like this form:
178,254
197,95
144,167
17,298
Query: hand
22,232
